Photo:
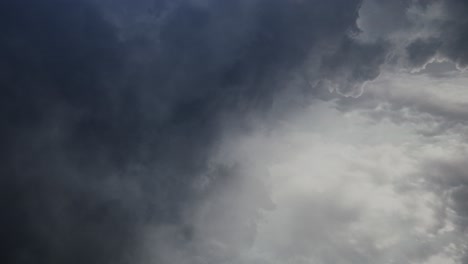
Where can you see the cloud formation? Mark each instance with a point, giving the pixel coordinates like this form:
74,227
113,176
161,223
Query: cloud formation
111,109
174,131
419,30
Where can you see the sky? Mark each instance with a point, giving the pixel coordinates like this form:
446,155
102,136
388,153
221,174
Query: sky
234,131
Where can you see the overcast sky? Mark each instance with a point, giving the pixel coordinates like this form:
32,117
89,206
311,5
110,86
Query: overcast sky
234,131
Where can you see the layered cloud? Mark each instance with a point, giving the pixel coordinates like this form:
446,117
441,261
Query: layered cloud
420,30
374,179
261,131
111,109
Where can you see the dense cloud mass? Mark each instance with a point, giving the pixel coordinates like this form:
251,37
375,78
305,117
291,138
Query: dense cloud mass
110,109
153,131
420,30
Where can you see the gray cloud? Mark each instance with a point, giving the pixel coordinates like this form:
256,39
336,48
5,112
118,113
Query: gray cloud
421,51
347,191
111,109
455,32
121,122
419,30
439,29
432,103
432,109
351,65
450,181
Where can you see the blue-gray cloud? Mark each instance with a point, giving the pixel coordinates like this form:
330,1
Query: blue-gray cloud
110,109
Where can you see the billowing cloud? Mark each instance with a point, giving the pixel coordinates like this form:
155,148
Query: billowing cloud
352,188
111,110
247,131
419,30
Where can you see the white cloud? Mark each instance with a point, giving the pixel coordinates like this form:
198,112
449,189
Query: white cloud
352,181
349,188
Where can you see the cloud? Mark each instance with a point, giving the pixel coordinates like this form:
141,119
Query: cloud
174,131
419,30
434,104
420,52
351,65
347,190
112,110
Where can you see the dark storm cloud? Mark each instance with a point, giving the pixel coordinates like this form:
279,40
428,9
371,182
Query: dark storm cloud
352,64
107,124
422,29
422,51
455,32
450,34
383,18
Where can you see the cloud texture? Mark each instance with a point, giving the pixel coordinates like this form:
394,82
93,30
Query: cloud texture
111,110
135,131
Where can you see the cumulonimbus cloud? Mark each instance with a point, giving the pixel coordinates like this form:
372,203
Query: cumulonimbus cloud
110,109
